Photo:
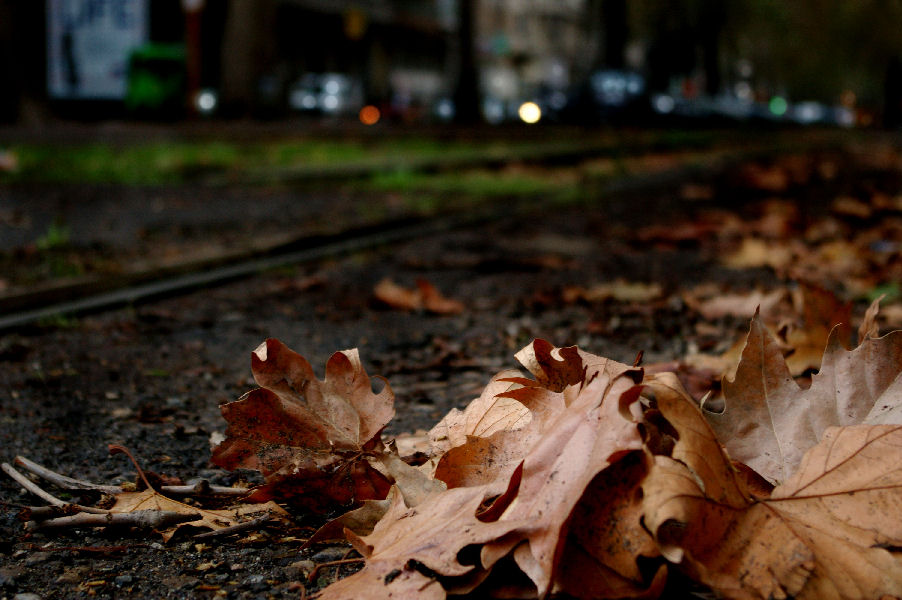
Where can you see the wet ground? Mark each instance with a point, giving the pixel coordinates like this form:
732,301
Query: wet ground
151,376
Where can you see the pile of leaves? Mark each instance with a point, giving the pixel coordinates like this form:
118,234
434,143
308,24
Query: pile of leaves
596,479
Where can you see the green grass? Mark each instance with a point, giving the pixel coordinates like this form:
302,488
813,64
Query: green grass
160,163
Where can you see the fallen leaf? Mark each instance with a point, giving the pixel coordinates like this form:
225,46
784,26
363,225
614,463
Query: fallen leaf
824,533
763,424
619,290
304,434
769,422
606,539
425,297
593,432
482,417
410,547
737,305
150,499
821,311
758,252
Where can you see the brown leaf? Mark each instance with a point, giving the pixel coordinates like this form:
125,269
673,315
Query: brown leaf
869,327
425,297
307,434
822,534
592,432
409,542
821,312
769,422
482,417
211,519
737,305
619,290
606,537
763,424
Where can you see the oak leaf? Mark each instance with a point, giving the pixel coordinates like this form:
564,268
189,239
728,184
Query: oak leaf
311,439
769,422
827,532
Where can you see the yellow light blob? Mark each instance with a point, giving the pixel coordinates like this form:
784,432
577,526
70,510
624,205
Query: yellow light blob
530,112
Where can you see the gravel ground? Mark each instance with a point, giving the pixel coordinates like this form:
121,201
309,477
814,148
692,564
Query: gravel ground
151,377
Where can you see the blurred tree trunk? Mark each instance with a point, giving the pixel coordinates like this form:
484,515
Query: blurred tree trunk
892,94
616,32
711,20
466,93
9,100
248,47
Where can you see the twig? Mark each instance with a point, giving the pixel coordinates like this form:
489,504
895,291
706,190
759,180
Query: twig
42,513
332,563
62,481
32,487
154,519
202,487
238,528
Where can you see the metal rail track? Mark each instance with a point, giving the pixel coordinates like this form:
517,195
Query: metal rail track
129,292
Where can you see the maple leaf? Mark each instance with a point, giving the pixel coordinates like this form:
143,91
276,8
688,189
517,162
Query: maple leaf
586,429
410,547
824,533
304,434
533,473
150,499
769,422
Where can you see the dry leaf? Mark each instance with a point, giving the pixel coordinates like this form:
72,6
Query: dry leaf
769,422
482,417
763,424
822,534
606,537
869,327
425,297
304,434
410,547
758,252
737,305
619,290
211,519
821,311
594,431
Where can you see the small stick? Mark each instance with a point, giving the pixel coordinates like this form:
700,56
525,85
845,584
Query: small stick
32,487
332,563
42,513
237,528
154,519
200,488
62,481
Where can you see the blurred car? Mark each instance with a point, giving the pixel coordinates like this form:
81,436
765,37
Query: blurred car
333,94
608,95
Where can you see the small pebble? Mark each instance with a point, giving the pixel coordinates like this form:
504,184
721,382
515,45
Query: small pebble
26,596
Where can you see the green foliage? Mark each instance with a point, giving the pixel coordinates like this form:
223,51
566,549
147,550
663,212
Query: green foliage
56,236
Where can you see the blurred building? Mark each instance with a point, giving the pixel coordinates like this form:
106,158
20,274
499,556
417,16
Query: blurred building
257,56
531,47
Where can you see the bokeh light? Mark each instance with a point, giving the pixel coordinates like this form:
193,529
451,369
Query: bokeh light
530,112
369,115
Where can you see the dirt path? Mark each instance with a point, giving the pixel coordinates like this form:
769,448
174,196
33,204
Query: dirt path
151,377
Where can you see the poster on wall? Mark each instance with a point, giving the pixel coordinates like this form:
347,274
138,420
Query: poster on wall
88,45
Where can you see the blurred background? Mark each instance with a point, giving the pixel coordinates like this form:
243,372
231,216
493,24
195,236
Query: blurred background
584,62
